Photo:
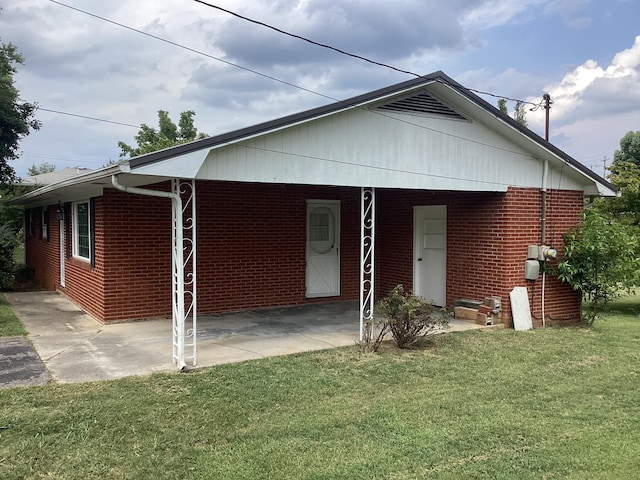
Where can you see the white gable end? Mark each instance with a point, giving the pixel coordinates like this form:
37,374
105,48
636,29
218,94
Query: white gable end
380,148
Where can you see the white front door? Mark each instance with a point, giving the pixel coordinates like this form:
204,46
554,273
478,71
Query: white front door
430,253
323,248
61,237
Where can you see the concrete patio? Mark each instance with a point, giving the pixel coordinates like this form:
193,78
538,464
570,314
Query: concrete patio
76,348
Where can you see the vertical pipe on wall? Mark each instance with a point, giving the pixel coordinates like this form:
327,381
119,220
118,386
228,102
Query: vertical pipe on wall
543,228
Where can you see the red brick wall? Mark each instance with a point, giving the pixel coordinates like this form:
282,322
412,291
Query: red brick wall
137,248
252,238
84,284
487,239
252,244
42,254
251,250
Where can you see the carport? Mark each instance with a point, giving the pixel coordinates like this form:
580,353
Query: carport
76,348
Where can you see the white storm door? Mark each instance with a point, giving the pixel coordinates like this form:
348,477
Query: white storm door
430,253
323,248
61,237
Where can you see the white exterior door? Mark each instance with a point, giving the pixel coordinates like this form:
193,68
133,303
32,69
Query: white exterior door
61,237
430,253
323,248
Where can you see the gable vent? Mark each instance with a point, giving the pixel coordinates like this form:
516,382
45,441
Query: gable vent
422,103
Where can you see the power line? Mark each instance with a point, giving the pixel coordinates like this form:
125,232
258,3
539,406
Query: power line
284,82
276,79
506,98
343,52
299,37
193,50
87,117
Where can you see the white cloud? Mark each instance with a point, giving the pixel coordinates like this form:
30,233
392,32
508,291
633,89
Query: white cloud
594,107
493,13
614,85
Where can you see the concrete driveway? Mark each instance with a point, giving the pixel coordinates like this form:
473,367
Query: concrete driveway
76,348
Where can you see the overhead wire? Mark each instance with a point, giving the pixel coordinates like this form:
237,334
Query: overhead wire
274,78
305,39
193,50
344,52
86,116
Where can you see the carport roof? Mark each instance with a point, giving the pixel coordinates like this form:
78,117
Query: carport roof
137,172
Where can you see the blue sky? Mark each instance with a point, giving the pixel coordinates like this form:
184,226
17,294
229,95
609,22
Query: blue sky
585,53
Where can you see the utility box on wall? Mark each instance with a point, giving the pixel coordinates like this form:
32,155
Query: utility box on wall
531,269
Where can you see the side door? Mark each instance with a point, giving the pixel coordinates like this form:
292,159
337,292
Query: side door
430,253
323,248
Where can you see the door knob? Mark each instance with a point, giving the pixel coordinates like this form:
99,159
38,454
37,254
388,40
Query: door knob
420,259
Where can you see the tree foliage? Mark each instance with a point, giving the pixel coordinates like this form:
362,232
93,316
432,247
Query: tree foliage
45,167
167,135
8,243
519,112
624,173
16,116
601,261
629,149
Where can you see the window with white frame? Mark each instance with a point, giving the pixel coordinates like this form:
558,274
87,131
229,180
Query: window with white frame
31,223
45,223
81,230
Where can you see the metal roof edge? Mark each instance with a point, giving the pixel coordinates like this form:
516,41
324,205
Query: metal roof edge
121,167
527,132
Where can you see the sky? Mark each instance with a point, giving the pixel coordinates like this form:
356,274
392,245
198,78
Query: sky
234,73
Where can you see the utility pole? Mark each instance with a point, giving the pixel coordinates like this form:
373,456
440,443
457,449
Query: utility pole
604,166
547,106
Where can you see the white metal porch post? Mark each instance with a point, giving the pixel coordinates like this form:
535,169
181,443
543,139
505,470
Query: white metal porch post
367,258
183,263
183,277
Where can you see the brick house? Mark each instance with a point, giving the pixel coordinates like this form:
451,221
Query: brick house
422,183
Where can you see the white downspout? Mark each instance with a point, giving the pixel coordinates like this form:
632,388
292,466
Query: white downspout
176,251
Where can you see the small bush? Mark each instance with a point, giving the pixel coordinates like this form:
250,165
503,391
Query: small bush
601,261
8,243
408,317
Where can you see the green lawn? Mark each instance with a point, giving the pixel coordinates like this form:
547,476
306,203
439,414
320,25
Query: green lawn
551,403
9,323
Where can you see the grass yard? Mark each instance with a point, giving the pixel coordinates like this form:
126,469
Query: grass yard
9,323
555,403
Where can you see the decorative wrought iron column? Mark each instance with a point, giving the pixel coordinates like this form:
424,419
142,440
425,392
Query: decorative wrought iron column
183,275
367,260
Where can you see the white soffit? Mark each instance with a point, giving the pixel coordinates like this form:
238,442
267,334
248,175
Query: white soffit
181,166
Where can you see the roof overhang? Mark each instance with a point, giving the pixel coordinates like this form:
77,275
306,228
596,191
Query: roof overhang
187,160
83,186
459,97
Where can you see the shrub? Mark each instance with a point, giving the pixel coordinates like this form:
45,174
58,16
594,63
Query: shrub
601,262
8,243
408,317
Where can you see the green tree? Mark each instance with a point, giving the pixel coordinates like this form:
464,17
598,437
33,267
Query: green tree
601,261
40,169
502,106
167,135
16,116
625,174
629,149
519,113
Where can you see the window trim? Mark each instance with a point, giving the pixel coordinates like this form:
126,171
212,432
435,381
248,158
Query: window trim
31,223
44,224
76,236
